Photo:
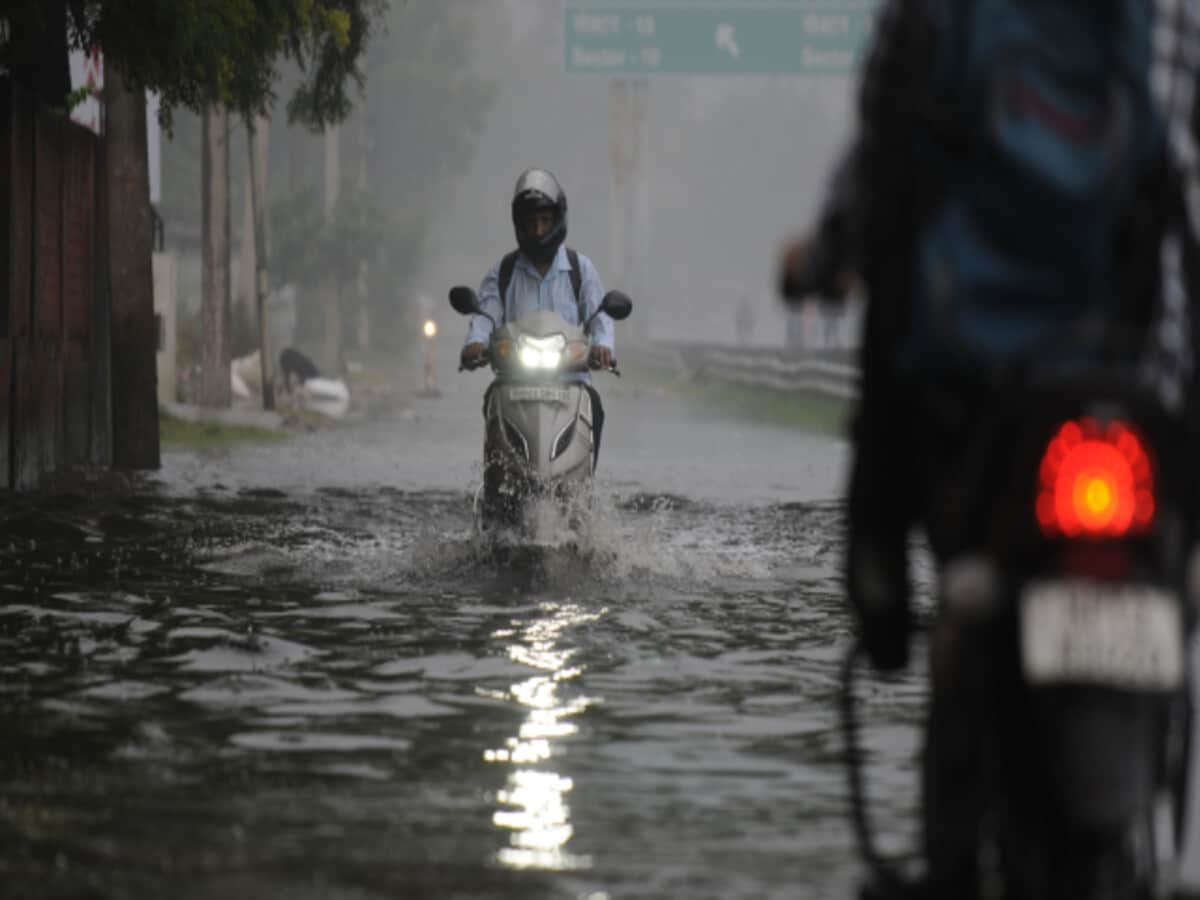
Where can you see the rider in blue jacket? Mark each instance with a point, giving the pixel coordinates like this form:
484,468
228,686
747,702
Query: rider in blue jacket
542,274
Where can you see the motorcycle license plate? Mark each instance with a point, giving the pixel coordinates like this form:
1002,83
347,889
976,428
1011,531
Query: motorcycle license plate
1087,632
540,394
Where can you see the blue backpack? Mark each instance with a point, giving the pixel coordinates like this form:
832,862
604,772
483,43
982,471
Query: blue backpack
1050,118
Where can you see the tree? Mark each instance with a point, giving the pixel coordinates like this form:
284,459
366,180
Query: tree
425,110
214,370
313,249
195,53
201,54
411,137
131,235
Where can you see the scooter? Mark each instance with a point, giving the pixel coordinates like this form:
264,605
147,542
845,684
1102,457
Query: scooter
539,450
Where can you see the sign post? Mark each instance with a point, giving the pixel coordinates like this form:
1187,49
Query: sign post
822,37
629,43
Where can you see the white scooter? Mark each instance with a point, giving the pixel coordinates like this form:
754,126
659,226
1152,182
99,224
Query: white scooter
539,451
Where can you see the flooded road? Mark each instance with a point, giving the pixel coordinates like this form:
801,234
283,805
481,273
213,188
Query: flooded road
296,672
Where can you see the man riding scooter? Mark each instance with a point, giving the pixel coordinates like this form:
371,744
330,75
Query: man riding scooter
541,274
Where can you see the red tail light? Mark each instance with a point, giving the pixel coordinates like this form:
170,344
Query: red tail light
1095,480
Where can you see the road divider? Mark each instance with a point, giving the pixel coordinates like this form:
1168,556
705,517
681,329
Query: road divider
828,373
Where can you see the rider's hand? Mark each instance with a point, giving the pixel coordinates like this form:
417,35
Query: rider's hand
473,355
601,357
878,590
797,274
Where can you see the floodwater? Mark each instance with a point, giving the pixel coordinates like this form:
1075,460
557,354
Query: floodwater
296,672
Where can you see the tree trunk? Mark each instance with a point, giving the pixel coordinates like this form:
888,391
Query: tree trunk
214,275
131,245
332,355
245,292
258,131
364,318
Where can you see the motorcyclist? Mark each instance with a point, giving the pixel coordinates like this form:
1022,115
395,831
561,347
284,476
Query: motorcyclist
542,279
911,415
876,203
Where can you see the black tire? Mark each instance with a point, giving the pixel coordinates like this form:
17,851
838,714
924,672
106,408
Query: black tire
1113,867
1178,760
1043,861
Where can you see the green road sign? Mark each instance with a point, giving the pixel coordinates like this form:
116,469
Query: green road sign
823,37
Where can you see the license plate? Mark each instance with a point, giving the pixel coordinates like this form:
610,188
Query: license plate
1087,632
539,394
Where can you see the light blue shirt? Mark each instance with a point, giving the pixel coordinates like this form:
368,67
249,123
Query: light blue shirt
528,291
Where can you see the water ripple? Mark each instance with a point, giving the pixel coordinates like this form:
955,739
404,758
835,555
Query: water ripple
256,683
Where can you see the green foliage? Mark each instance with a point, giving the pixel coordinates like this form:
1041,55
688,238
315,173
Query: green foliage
307,248
183,434
427,107
77,96
201,52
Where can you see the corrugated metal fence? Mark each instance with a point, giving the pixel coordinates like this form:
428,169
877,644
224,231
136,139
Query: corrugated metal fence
54,383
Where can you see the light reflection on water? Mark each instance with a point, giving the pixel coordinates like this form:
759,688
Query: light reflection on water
533,806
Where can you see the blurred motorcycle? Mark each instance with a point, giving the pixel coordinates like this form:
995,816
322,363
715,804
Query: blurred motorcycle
1061,638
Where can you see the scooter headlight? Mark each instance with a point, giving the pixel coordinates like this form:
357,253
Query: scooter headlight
541,353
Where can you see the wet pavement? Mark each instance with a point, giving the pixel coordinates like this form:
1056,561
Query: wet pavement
297,672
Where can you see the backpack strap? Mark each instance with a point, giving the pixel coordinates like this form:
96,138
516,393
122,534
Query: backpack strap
509,263
506,272
576,274
577,284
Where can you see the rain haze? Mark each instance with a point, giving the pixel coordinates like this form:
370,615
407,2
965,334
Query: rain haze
732,166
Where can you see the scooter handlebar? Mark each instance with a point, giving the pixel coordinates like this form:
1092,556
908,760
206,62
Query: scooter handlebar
818,276
477,362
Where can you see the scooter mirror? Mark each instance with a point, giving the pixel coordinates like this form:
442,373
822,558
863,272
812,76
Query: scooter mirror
617,305
464,301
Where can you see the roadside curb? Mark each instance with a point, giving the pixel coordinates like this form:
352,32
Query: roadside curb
256,418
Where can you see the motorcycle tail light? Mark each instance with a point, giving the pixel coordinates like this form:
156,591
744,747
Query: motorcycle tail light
1095,480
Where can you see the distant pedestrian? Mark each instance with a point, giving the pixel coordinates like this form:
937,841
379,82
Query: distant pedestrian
743,321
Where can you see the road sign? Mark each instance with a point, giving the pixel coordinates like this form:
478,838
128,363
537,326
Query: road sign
823,37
